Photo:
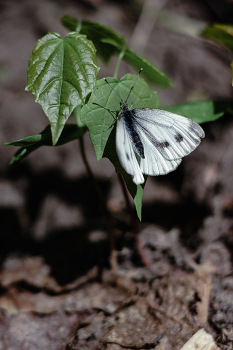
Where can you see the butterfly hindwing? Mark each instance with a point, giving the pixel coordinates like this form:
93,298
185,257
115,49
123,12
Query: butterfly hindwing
154,163
173,136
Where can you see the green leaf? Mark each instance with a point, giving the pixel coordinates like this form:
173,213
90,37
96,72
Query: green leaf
152,74
221,34
200,112
31,140
31,143
22,153
98,119
61,74
97,33
71,23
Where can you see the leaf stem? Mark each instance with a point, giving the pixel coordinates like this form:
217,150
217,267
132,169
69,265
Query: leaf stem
121,55
107,214
134,223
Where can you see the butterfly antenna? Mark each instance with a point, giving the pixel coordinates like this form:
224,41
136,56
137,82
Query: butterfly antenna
133,85
113,89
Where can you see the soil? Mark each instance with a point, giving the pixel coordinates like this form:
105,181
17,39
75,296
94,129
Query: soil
57,290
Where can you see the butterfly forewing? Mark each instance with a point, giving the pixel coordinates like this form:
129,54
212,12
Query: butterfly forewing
125,151
173,135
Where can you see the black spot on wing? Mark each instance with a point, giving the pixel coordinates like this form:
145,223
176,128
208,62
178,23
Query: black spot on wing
127,156
179,138
163,144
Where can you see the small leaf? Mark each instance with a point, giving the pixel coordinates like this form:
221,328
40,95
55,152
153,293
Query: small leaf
200,112
31,143
221,34
97,33
98,119
71,23
22,153
153,74
61,74
30,140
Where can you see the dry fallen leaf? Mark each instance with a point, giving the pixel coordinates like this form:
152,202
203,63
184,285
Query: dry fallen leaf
201,340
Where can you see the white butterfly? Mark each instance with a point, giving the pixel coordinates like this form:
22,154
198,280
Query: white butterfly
152,141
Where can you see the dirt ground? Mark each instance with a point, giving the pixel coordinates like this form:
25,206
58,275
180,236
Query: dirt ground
57,291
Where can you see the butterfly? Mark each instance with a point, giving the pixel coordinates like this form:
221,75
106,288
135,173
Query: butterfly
152,141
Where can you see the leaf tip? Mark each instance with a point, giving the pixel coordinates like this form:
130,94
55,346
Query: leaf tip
12,161
56,133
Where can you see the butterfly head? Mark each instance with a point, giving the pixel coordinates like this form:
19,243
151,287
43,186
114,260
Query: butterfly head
124,106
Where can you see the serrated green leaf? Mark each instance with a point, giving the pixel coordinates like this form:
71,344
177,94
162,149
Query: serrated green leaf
97,33
97,119
29,144
200,112
61,74
221,34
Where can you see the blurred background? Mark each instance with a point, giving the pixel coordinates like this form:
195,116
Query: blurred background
47,204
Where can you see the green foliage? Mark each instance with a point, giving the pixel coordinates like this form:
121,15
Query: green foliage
98,119
29,144
221,34
152,73
200,112
62,78
108,43
97,33
61,74
71,23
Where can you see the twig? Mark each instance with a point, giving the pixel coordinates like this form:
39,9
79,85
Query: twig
121,55
134,223
149,15
107,214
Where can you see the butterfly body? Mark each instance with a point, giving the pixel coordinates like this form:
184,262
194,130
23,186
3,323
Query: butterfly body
129,118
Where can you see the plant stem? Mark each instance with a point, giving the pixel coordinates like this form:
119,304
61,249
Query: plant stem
149,15
107,214
121,55
133,222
